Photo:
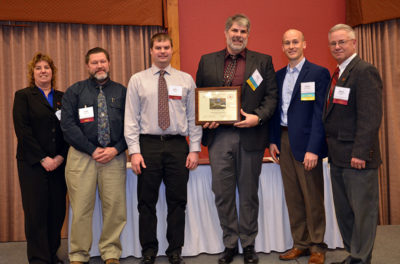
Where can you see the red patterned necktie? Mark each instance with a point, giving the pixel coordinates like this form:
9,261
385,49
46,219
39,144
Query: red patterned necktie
163,109
333,84
230,70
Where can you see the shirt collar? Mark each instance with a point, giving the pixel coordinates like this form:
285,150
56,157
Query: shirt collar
96,84
51,91
155,70
344,64
297,68
241,54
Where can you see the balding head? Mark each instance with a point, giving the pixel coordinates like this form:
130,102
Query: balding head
293,44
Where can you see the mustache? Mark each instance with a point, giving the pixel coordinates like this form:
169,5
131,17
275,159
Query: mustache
237,39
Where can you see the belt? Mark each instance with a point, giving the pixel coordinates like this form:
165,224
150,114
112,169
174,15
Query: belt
284,128
161,137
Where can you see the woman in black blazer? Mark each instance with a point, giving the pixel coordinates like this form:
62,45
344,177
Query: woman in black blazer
41,154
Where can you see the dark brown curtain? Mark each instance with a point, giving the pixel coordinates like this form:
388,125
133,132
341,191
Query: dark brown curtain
379,44
67,45
105,12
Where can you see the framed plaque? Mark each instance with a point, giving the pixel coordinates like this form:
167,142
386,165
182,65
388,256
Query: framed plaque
218,104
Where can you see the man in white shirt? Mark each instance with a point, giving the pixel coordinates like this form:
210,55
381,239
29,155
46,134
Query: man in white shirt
159,114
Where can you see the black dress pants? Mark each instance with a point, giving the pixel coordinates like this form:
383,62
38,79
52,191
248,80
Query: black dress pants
43,200
165,159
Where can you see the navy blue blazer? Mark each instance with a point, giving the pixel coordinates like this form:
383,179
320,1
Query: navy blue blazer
305,127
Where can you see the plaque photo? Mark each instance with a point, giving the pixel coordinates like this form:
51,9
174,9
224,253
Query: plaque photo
218,104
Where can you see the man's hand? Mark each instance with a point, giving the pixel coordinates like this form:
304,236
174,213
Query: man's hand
97,152
274,151
48,164
192,160
105,155
357,163
249,121
137,162
310,161
212,125
58,160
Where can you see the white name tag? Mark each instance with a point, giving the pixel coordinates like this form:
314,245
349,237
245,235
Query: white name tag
86,114
307,91
175,92
58,115
255,80
341,95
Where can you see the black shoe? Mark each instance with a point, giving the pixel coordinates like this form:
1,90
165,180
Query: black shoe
250,255
228,255
147,259
175,258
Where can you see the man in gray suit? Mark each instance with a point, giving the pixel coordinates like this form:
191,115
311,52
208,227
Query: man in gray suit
352,116
236,151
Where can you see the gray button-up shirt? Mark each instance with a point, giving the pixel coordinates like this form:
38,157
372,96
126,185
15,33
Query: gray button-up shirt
141,110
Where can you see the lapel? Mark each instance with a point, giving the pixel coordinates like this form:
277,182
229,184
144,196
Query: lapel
342,80
39,98
303,73
249,69
57,98
345,75
219,66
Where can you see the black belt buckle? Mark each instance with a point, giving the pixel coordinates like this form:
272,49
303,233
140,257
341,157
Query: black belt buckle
166,137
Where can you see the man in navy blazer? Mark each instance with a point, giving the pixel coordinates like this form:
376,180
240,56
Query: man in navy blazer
352,118
236,151
297,136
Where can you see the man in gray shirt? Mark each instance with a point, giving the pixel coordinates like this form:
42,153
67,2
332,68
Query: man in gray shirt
159,114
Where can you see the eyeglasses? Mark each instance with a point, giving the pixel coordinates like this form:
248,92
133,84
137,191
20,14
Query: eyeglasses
340,43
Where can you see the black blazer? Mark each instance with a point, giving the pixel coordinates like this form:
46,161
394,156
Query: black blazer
36,126
352,129
261,102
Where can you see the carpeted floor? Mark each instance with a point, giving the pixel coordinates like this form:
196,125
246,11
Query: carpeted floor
386,251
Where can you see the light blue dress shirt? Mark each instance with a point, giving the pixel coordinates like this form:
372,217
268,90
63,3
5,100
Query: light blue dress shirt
287,90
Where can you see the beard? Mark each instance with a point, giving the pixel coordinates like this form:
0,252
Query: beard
100,77
235,47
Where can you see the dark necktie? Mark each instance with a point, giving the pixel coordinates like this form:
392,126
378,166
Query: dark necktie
163,109
230,70
103,127
333,84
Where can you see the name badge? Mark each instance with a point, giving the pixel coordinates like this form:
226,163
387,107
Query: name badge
341,95
307,91
58,114
254,80
175,92
86,114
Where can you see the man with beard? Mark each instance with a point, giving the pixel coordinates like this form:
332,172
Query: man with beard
236,151
92,120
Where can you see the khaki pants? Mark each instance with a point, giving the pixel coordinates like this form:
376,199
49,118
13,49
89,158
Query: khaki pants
83,175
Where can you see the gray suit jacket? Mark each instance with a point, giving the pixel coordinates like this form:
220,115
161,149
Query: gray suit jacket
261,102
352,129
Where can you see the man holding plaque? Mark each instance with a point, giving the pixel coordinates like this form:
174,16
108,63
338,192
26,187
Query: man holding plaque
297,135
159,115
236,150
